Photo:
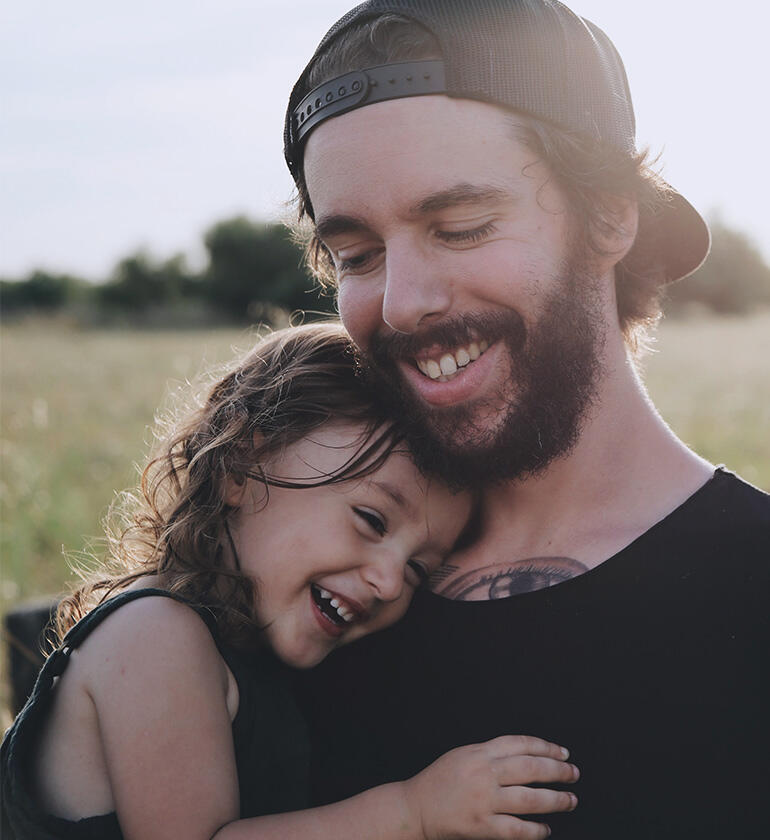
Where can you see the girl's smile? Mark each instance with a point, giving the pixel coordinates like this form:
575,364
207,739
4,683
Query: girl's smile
334,562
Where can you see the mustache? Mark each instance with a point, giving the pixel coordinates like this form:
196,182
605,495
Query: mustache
450,332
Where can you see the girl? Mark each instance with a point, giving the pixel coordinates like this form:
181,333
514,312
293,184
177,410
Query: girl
281,520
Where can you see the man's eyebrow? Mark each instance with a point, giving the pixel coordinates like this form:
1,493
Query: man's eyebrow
454,196
395,494
328,226
462,193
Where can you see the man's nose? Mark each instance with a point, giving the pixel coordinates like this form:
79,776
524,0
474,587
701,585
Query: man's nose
416,290
384,573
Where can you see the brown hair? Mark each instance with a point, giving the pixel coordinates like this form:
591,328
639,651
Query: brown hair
591,174
292,382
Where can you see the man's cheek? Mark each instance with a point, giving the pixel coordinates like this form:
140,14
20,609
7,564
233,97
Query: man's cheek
361,312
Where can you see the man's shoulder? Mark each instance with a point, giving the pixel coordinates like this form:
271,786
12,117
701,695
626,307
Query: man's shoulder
728,515
732,496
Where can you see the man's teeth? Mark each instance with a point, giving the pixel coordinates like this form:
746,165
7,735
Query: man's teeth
449,363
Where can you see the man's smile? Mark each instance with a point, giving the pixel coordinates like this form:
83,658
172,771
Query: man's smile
442,365
448,376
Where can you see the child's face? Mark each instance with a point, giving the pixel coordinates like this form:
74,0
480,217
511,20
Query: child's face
335,563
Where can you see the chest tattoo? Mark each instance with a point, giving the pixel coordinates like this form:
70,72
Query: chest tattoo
504,579
444,571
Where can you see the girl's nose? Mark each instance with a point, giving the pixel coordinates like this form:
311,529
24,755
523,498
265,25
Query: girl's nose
416,290
385,575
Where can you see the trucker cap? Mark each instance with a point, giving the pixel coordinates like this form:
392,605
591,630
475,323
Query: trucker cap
536,57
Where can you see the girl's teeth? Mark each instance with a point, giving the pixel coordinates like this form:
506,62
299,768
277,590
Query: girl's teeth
473,351
448,365
342,610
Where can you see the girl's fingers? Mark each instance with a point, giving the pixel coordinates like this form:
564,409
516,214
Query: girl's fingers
526,800
507,745
510,828
525,769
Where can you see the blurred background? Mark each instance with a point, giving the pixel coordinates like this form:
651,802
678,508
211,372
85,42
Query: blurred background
141,239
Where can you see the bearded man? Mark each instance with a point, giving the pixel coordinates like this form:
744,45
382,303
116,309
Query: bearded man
499,248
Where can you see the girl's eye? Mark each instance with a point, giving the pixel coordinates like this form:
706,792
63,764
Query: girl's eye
474,235
419,571
372,519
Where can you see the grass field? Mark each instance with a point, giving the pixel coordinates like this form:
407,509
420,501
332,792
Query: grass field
76,407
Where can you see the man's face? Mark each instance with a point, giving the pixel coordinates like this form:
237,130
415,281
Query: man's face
458,281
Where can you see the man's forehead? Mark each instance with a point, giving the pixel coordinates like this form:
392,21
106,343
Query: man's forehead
435,153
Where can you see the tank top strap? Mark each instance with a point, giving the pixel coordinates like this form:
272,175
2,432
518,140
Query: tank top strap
21,815
57,661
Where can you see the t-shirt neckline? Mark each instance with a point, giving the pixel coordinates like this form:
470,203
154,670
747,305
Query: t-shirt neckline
606,566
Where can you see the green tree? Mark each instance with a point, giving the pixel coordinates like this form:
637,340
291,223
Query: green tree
40,291
252,264
733,280
138,283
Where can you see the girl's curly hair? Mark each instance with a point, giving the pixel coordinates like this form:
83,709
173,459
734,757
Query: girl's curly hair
174,527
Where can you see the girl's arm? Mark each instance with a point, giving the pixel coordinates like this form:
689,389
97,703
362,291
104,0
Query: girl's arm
470,792
164,701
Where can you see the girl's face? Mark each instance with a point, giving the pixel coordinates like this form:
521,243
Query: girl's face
333,563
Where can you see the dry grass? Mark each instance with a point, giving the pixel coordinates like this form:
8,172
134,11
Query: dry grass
77,406
710,379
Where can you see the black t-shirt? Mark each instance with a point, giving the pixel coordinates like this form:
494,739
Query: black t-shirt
651,668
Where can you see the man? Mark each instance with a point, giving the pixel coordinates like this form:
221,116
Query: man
499,248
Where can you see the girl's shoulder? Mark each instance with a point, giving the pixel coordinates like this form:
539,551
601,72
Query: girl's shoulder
142,671
149,638
143,694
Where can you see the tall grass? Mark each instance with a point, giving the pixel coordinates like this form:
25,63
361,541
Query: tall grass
75,418
77,406
710,379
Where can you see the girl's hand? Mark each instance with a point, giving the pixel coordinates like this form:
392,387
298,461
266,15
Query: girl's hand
476,791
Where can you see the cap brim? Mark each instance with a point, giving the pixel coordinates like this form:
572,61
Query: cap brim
677,235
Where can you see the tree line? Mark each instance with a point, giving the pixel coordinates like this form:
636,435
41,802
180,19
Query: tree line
254,272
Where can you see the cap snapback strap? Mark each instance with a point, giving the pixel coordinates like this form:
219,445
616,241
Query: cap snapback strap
364,87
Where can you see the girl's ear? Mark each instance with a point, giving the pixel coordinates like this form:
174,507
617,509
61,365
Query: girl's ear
237,483
235,489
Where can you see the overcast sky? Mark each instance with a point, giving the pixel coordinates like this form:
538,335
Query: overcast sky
128,125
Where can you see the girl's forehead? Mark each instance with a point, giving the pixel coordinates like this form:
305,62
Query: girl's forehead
397,482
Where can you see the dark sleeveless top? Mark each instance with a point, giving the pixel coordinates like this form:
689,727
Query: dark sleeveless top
269,736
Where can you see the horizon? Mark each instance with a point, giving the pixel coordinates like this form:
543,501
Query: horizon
139,129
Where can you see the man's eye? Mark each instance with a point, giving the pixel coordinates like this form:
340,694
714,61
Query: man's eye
372,519
473,235
357,263
419,571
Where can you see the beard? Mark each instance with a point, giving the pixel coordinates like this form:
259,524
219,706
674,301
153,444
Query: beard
535,416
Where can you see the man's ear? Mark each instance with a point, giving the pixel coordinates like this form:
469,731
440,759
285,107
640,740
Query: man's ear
614,232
